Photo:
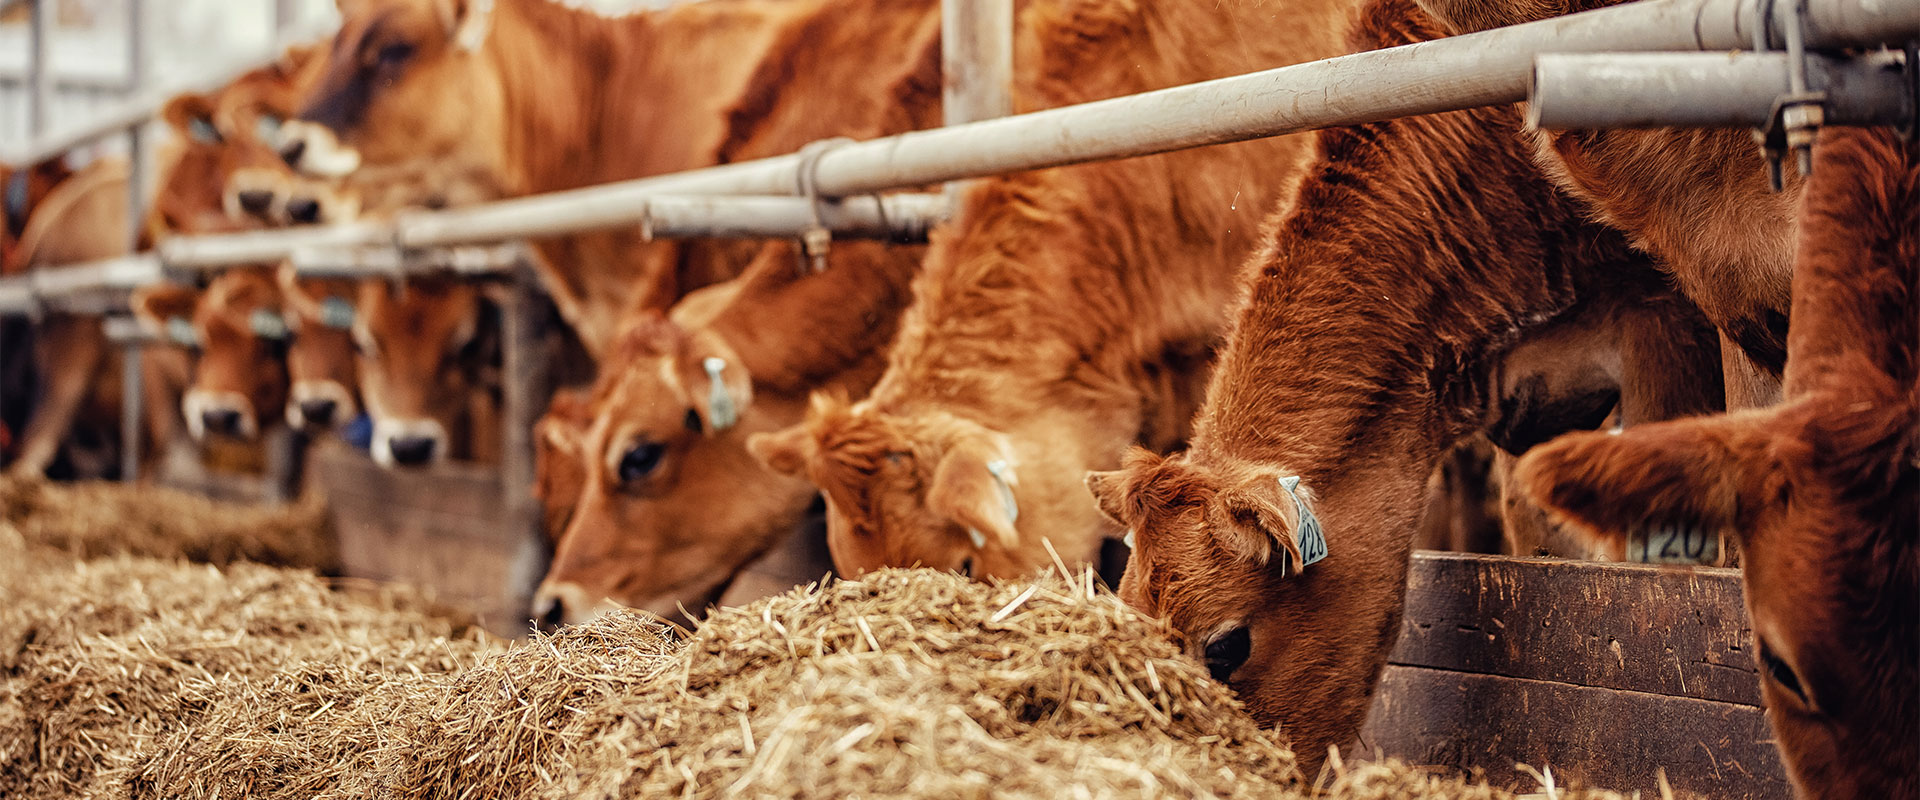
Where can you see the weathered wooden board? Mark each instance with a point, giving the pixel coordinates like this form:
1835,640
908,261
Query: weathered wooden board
445,529
1606,672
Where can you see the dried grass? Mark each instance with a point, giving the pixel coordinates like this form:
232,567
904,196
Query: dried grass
98,659
96,519
902,684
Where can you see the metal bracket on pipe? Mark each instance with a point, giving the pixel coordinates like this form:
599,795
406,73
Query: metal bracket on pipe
816,238
1796,117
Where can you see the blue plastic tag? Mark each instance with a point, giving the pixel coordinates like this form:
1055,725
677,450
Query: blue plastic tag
267,324
1313,542
180,331
720,411
336,312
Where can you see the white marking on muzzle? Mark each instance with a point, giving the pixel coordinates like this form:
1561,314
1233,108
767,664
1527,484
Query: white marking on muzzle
344,408
198,402
323,154
386,430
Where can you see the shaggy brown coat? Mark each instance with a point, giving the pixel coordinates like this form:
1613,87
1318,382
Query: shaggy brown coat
1822,492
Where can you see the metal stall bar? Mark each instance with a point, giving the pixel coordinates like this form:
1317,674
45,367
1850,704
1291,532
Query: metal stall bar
131,393
898,217
40,18
526,385
976,65
1707,90
1486,68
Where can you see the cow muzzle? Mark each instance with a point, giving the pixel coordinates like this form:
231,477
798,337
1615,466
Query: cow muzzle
215,413
408,442
313,149
560,603
317,405
254,193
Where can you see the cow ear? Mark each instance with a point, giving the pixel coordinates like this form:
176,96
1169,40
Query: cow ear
1109,490
1259,514
784,451
160,307
191,116
1609,485
974,486
467,22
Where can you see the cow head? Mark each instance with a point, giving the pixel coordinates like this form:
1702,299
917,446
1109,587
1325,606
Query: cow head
192,197
1832,582
936,490
421,345
261,184
323,380
1212,546
239,337
1820,492
671,504
406,84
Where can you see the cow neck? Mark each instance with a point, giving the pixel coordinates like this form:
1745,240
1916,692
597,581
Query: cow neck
1373,317
596,99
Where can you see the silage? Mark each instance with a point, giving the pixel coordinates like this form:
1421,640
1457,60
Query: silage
902,684
96,519
98,659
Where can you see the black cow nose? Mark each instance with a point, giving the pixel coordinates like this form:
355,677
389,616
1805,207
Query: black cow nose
304,210
318,413
411,450
549,615
255,201
292,152
221,420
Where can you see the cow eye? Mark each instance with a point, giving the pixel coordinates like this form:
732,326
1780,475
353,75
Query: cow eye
1227,653
1783,674
394,54
640,460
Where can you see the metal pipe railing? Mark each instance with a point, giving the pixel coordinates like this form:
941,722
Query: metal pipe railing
1708,90
1489,67
898,217
1486,68
40,20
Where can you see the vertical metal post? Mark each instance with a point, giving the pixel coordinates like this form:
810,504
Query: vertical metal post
136,133
976,64
130,412
131,393
527,379
39,63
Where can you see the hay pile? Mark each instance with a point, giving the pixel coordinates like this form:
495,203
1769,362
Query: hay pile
902,684
100,658
95,519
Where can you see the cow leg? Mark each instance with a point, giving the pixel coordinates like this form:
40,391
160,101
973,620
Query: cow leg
1747,384
71,352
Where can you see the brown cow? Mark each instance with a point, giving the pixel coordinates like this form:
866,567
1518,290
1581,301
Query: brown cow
1696,199
427,350
235,326
323,381
1066,314
83,218
1822,492
779,336
1425,282
438,102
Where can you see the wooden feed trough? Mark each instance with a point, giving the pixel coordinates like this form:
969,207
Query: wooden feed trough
1605,672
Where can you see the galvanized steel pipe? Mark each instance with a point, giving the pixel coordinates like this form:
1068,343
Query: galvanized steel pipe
1644,90
1486,68
901,217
